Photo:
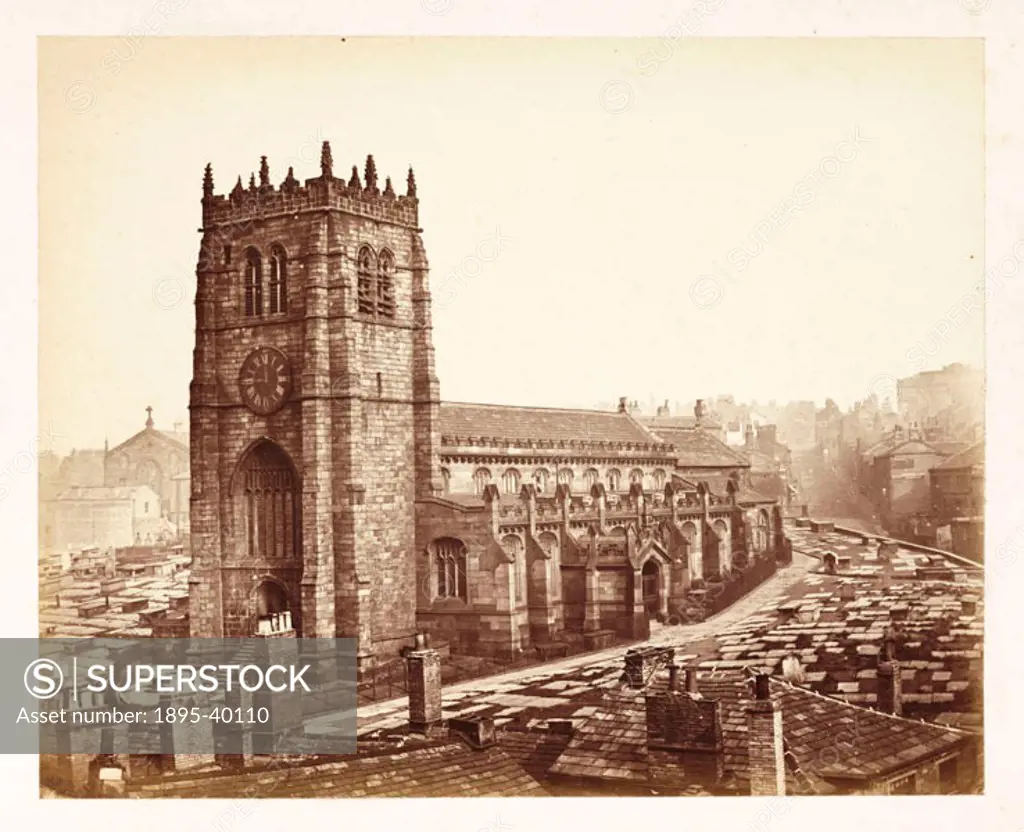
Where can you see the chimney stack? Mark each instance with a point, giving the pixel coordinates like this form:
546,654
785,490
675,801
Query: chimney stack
673,677
623,404
691,680
764,741
424,665
890,686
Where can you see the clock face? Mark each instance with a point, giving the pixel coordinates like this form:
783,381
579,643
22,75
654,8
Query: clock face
265,380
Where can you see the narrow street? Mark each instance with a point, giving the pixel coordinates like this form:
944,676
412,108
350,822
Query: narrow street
678,636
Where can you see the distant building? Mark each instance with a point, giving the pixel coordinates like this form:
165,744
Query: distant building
155,458
103,516
951,399
958,502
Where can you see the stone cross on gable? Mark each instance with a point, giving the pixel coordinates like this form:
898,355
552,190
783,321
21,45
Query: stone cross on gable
149,416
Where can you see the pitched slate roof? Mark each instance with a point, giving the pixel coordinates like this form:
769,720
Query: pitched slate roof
826,737
699,448
446,768
612,743
540,423
967,458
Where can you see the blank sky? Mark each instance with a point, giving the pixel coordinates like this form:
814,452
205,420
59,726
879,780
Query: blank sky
610,216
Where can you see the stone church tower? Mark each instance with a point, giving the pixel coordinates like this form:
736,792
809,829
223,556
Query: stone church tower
314,409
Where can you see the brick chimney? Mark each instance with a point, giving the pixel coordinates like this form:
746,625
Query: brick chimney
623,404
691,681
890,686
663,410
764,741
424,664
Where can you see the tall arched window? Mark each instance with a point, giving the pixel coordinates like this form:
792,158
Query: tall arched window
267,490
659,478
636,476
591,478
446,480
278,280
540,479
253,283
481,479
614,479
722,533
449,561
761,531
386,284
513,546
510,481
565,477
364,291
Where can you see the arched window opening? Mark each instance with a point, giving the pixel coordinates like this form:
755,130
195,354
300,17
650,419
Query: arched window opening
540,479
651,586
267,488
253,283
510,481
761,531
565,477
273,614
659,478
591,478
278,280
614,479
722,533
513,546
446,480
365,290
481,479
449,557
636,476
386,284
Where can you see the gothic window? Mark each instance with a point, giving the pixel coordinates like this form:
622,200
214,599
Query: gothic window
591,478
386,284
761,531
565,477
365,289
253,283
278,280
614,479
510,481
449,556
513,546
659,478
481,478
690,534
446,480
540,479
636,476
267,489
722,533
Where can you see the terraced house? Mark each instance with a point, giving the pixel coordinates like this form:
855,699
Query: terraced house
333,490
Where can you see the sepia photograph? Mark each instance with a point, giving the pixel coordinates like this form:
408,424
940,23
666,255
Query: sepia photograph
589,417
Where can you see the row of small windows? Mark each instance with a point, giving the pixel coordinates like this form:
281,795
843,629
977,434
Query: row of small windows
512,479
278,283
376,282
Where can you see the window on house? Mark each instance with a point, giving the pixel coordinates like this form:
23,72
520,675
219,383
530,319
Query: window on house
386,284
253,283
278,280
636,476
513,546
659,478
510,481
227,255
365,290
450,568
481,479
614,479
565,477
591,478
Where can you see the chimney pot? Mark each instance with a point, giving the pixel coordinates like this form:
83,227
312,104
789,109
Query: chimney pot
673,677
623,404
764,742
691,680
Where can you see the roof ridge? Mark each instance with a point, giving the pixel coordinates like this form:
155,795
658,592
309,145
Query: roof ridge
535,407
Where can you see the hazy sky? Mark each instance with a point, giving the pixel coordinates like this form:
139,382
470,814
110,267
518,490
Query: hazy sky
620,173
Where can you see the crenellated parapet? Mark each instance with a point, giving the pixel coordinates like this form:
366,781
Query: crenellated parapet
262,200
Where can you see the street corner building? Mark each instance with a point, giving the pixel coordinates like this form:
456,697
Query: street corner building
334,494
